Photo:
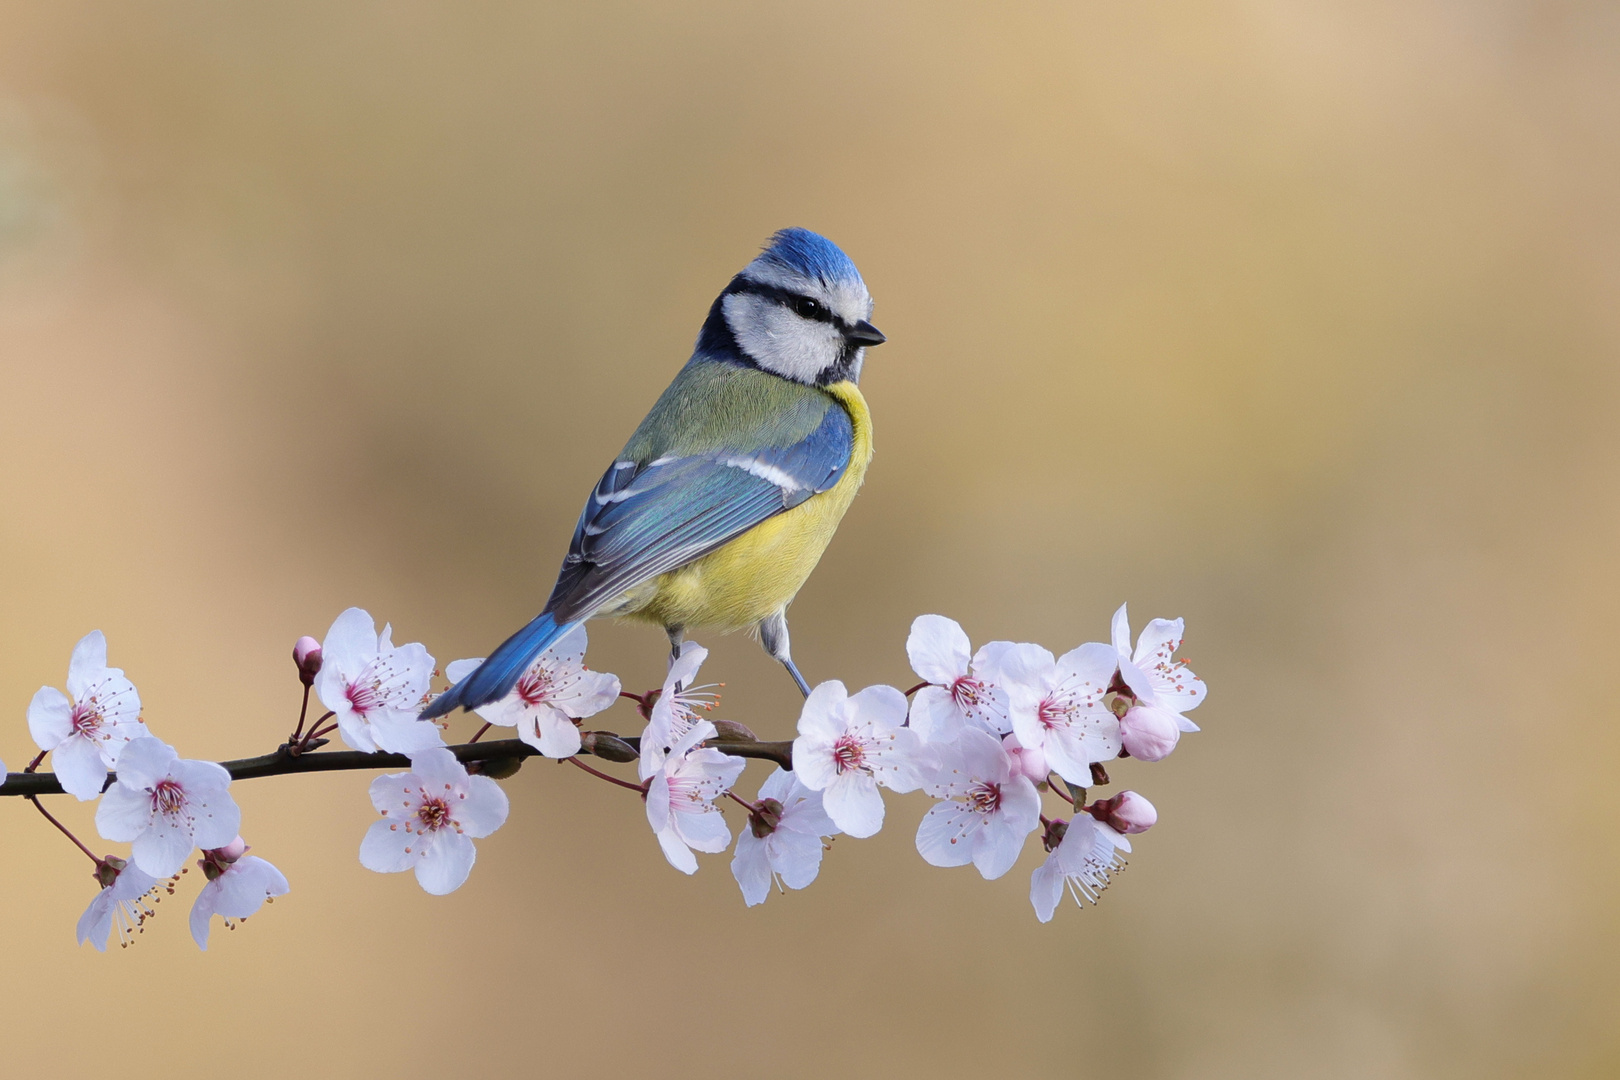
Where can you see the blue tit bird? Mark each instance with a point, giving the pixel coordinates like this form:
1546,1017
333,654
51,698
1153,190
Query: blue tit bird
723,500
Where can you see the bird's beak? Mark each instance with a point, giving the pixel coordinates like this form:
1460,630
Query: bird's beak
864,333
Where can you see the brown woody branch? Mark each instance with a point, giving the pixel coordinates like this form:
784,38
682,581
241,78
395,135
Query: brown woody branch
282,762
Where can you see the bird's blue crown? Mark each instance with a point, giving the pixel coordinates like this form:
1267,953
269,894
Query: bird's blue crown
810,254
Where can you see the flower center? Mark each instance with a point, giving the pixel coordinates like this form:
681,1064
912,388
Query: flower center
363,698
434,814
87,719
1054,712
848,753
984,798
535,686
966,692
168,797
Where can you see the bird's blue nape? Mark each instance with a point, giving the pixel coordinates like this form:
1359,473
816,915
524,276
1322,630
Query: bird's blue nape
810,254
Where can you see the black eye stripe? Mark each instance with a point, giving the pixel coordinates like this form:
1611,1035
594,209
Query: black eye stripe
795,302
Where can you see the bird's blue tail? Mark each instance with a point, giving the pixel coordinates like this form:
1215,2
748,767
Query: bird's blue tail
495,677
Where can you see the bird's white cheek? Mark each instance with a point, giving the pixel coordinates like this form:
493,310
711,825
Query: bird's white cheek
780,341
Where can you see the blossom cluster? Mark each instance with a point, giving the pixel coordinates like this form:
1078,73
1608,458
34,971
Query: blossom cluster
987,735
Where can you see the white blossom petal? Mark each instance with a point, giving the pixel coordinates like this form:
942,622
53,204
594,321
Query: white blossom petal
854,804
938,649
443,867
78,765
50,717
88,662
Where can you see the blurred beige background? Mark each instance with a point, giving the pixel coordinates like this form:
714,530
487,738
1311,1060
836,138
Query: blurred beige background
1297,320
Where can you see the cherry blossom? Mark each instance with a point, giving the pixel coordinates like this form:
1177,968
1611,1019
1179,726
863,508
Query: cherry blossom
848,746
782,843
1084,852
555,691
682,784
165,805
1150,732
373,688
431,815
86,729
238,885
987,807
959,693
681,700
1153,677
120,904
1057,705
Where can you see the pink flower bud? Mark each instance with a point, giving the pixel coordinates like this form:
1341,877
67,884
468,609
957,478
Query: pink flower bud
1149,732
1031,762
233,850
1126,812
307,655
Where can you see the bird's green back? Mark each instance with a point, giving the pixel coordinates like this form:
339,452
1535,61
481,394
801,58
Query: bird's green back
716,406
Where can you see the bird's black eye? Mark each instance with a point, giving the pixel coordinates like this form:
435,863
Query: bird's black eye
807,308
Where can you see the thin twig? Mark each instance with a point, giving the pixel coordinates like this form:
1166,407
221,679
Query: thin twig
599,774
65,832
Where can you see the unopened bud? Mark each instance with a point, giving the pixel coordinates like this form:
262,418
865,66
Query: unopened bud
307,655
233,850
607,746
1027,760
1149,732
765,817
731,731
1126,812
216,861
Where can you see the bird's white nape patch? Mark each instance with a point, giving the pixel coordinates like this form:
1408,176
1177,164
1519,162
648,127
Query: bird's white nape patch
780,341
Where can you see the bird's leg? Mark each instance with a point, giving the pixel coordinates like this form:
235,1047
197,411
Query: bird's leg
773,634
677,635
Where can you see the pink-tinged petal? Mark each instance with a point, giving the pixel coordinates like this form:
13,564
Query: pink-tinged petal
216,816
117,700
403,733
997,846
162,849
1046,888
437,768
1071,750
751,868
716,765
551,732
683,670
807,816
1185,724
934,715
983,758
78,765
1120,631
904,763
444,867
95,925
50,717
678,854
938,649
202,912
456,670
123,813
383,848
1149,732
705,831
88,662
592,692
823,712
782,785
144,762
797,857
247,885
1138,681
484,809
332,687
405,674
1023,671
658,812
201,777
881,706
813,762
394,794
350,644
385,640
853,803
1092,664
945,834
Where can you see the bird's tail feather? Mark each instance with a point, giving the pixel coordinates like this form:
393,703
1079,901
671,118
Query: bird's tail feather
495,677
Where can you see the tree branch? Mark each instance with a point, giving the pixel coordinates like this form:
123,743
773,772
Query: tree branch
284,763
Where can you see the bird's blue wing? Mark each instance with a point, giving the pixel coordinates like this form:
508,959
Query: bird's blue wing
648,518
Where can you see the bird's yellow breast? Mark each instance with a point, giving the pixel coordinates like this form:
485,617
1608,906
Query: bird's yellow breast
762,570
